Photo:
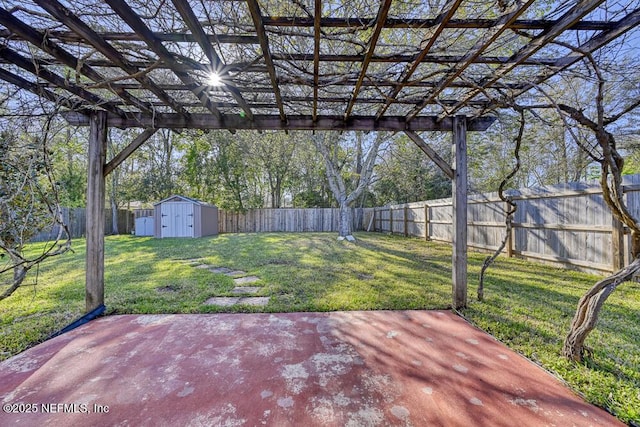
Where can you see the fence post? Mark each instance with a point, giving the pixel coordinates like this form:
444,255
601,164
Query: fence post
427,211
390,220
406,223
617,244
510,240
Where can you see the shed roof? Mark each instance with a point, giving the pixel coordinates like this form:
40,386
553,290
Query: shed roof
183,198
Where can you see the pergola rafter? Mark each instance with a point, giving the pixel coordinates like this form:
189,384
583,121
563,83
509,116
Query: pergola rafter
304,65
41,40
136,23
114,57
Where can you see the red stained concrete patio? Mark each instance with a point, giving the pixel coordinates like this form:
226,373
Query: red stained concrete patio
404,368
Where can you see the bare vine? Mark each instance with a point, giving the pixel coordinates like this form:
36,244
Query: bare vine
510,210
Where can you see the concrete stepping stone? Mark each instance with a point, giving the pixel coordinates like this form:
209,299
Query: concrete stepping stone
220,270
246,290
255,301
245,280
236,273
222,301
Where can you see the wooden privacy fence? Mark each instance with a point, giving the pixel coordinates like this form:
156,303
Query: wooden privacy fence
288,220
76,220
568,225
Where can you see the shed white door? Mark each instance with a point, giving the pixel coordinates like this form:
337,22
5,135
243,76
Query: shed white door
177,220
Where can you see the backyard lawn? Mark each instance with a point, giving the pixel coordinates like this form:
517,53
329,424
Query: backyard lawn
527,306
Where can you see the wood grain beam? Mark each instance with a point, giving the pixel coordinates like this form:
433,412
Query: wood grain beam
365,22
155,44
431,59
42,41
215,62
273,122
371,48
480,46
127,151
317,18
67,17
177,37
39,90
459,206
571,17
94,271
256,16
431,153
449,9
32,66
629,22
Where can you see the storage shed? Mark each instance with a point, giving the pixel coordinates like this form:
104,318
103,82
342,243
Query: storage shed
180,216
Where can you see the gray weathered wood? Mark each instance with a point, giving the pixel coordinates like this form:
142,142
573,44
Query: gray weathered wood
273,122
617,244
94,291
459,197
128,150
433,155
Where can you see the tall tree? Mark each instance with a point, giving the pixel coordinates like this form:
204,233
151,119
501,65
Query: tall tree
328,144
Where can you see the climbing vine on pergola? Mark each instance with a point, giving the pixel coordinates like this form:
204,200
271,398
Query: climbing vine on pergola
393,65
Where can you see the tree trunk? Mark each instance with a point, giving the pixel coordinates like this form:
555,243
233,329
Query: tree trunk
114,217
346,218
589,307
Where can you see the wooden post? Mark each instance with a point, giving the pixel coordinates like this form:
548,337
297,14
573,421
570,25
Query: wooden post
617,244
406,222
390,220
94,287
459,198
511,235
427,211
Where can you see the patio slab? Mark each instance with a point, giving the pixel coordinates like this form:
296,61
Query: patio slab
246,280
256,301
236,273
387,368
246,290
222,301
220,270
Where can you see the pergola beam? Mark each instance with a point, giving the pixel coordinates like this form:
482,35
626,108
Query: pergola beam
624,25
127,151
39,90
32,66
365,22
547,36
65,16
256,16
217,66
316,55
428,59
502,24
177,37
371,48
431,153
135,22
41,40
273,122
450,9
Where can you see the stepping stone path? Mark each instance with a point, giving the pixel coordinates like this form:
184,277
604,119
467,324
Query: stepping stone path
240,278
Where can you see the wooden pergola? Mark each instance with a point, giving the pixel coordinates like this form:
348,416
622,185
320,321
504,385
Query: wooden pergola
395,65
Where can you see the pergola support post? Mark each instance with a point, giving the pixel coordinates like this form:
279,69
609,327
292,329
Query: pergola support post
459,197
94,288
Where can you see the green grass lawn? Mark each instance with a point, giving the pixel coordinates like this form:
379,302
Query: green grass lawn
527,306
